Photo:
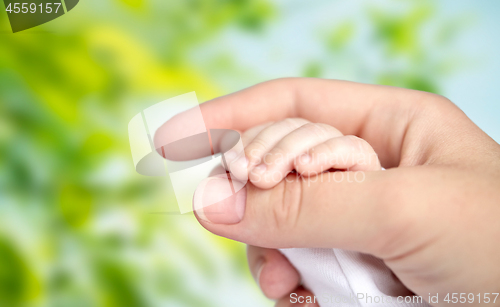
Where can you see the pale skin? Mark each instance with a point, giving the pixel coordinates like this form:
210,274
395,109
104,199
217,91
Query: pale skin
274,149
432,216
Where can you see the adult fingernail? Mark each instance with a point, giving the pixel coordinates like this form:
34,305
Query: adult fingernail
215,202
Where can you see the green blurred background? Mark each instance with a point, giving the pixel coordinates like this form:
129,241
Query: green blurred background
78,226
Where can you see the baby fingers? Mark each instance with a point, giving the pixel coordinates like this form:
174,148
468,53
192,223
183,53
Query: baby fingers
346,152
258,141
278,161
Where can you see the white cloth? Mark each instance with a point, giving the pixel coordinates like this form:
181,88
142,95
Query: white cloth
345,278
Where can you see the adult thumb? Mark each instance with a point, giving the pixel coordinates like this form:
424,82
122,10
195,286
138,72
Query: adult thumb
332,210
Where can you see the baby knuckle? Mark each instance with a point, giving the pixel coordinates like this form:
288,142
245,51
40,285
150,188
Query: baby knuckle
318,130
256,148
278,156
336,146
294,123
359,144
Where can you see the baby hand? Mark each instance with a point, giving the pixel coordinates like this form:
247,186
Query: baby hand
273,150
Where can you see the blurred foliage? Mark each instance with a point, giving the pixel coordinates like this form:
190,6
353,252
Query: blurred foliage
78,227
409,44
401,36
17,281
341,35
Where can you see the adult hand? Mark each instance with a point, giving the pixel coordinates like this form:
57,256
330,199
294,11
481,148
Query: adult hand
433,216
